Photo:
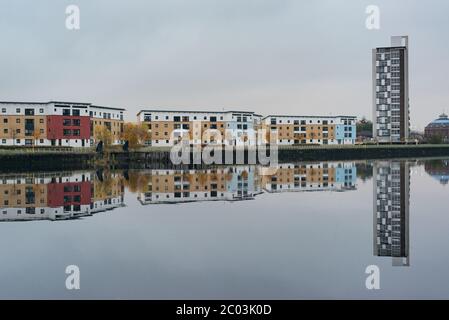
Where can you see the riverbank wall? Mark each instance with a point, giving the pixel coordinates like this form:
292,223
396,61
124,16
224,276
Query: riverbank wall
160,158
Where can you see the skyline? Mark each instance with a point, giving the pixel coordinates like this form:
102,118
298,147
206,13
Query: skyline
218,56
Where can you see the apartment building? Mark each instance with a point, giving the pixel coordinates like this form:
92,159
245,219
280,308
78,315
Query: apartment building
60,196
317,130
111,118
322,176
168,128
391,92
391,211
176,186
67,124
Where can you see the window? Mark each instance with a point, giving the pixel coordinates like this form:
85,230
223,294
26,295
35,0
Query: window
67,132
66,122
76,122
76,132
76,112
3,110
29,112
5,130
5,120
18,110
213,119
41,120
66,112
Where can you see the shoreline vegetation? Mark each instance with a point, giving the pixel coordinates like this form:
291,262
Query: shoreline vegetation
34,159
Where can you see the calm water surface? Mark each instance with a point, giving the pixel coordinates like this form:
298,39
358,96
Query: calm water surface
304,230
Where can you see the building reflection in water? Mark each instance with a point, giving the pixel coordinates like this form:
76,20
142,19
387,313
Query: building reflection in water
241,182
176,186
58,196
332,176
391,211
70,195
438,169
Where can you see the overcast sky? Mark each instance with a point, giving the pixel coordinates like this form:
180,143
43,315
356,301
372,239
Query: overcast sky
268,56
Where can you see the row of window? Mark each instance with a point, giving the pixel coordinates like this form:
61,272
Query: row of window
18,131
238,118
5,120
186,126
106,115
28,112
69,132
71,122
67,112
302,122
28,142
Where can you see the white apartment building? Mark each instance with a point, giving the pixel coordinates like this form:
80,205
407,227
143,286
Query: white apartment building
168,128
391,114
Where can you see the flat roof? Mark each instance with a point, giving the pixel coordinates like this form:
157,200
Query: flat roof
293,116
21,102
34,102
401,47
62,102
195,111
112,108
66,102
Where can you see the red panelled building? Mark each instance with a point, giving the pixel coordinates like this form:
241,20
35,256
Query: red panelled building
69,193
61,128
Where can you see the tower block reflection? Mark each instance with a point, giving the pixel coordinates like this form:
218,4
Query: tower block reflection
391,211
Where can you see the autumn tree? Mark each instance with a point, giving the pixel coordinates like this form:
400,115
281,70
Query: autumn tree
102,133
36,137
135,134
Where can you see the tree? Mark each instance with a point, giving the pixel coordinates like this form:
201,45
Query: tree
36,136
102,133
135,134
364,125
436,139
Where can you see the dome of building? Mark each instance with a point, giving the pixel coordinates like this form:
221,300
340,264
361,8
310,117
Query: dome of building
443,120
